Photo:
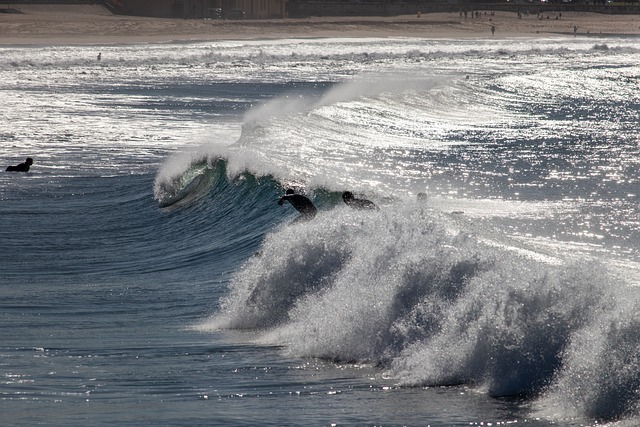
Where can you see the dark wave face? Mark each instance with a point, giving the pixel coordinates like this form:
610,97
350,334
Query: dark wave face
117,228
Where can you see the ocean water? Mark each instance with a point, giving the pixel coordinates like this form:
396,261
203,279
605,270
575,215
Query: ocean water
149,277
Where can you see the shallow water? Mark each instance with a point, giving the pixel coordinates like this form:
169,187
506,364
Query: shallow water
149,275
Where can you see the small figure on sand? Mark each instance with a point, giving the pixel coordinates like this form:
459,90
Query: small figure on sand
493,30
354,203
22,167
99,56
301,203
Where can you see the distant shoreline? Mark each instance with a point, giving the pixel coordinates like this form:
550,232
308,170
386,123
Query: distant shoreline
94,25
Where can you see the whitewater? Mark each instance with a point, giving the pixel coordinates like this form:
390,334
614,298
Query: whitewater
149,275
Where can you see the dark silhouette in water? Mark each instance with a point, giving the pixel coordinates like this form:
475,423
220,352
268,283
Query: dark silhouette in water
350,200
22,167
301,204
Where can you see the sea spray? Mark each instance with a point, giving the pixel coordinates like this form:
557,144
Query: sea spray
600,376
299,101
507,331
417,292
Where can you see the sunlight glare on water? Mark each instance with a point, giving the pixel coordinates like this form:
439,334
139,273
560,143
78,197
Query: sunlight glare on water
148,230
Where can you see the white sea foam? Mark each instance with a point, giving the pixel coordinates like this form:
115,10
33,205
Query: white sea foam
421,294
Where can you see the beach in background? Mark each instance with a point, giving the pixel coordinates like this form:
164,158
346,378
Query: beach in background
92,24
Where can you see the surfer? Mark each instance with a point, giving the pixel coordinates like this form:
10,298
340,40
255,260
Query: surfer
301,203
22,167
350,200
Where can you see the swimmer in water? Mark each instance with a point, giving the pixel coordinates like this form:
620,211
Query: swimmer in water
22,167
354,203
301,203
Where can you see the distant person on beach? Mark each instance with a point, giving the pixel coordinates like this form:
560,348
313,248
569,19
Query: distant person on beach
22,167
99,56
301,203
354,203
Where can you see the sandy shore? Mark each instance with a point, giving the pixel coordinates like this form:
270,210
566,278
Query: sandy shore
53,25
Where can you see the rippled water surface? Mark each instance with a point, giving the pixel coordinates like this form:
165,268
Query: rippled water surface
148,275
